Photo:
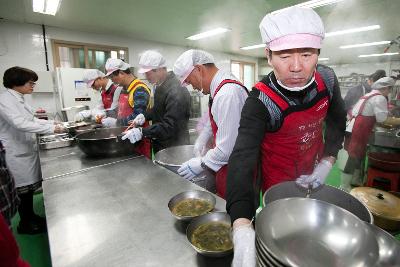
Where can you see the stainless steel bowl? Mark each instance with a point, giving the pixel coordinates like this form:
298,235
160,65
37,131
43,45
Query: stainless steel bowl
198,194
222,217
389,247
310,232
172,158
325,193
105,142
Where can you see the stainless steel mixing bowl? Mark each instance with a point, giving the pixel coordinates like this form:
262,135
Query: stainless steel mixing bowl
198,194
389,247
310,232
222,217
326,193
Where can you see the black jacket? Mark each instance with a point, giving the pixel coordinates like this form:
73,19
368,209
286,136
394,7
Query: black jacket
354,94
169,116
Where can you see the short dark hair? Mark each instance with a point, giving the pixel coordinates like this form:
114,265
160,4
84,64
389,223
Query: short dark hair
377,75
209,65
127,71
17,76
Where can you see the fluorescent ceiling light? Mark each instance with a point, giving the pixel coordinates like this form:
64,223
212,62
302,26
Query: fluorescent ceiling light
361,29
311,4
207,34
252,47
323,58
49,7
364,44
379,55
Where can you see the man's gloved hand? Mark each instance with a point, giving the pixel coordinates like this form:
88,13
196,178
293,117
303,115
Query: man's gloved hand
318,176
109,122
200,145
244,240
134,135
139,120
82,115
191,169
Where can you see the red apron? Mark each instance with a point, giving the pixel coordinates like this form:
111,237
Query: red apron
107,96
220,176
360,133
298,145
125,109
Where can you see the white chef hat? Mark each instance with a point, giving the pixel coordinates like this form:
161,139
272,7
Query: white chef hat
90,75
114,64
151,60
383,83
293,27
185,63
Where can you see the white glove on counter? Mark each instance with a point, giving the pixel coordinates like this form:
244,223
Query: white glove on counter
82,115
139,120
200,145
318,176
134,135
244,246
191,169
109,122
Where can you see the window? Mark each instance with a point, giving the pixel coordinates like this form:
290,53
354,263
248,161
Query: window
82,55
245,72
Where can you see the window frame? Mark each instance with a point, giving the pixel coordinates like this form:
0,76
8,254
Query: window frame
55,43
241,69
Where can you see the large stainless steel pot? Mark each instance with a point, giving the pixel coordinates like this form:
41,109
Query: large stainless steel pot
325,193
172,159
104,142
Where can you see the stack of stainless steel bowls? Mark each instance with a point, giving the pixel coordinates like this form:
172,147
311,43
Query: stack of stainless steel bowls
310,232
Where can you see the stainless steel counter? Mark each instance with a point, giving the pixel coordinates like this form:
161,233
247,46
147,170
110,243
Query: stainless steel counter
61,161
117,215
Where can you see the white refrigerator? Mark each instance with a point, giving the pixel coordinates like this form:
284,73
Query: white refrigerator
73,94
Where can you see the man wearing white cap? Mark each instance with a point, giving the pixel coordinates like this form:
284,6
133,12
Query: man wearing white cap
109,91
227,97
133,100
171,111
371,108
281,126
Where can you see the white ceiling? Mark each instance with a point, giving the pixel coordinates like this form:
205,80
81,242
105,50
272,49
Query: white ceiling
170,21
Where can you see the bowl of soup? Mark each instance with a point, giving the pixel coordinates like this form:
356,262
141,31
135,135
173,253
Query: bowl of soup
211,234
190,204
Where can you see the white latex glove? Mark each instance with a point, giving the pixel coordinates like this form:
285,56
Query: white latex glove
318,176
134,135
191,169
139,120
244,246
200,145
82,115
109,122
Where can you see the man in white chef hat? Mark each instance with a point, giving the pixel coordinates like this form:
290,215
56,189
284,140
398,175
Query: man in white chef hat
227,97
109,91
282,122
171,111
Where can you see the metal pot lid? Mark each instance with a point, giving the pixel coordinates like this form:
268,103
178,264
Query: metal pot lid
379,202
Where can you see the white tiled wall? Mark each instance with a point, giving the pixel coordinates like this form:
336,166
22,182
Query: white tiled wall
22,44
